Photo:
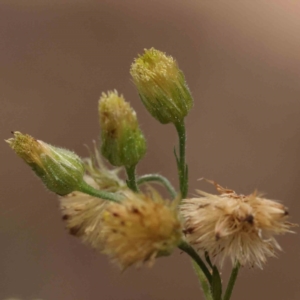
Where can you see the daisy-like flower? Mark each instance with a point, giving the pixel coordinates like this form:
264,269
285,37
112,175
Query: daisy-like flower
235,226
132,232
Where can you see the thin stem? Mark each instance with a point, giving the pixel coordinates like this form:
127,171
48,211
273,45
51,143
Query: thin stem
231,282
193,254
159,178
181,165
203,281
131,182
87,189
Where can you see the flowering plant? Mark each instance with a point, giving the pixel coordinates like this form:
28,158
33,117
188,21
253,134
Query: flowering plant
134,225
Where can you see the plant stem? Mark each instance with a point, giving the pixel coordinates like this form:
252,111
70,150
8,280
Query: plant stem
131,182
181,165
232,279
87,189
193,254
159,178
202,279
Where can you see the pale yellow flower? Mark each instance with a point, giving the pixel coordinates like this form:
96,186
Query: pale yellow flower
235,226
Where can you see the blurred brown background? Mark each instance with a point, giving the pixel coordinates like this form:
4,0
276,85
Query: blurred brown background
242,63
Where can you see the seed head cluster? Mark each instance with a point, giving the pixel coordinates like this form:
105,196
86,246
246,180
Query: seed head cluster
235,226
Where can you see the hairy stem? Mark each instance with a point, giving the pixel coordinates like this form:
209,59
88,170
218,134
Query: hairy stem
194,255
87,189
202,279
131,181
181,165
232,279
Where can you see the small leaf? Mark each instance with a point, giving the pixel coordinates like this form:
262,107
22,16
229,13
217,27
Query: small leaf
176,156
207,258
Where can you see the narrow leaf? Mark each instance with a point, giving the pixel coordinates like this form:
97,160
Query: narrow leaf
207,258
176,156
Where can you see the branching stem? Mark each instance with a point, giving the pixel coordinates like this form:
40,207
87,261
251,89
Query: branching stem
194,255
87,189
131,181
160,179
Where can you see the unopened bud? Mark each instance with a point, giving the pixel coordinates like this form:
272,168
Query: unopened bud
161,86
61,170
123,143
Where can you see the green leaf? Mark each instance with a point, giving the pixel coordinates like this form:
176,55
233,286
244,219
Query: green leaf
207,258
176,156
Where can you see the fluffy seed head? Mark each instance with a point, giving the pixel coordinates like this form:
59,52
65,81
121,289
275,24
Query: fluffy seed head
137,230
235,226
82,214
105,179
161,86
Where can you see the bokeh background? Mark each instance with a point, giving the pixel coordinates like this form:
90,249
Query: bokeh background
242,63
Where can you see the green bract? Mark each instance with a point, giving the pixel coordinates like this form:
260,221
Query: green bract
61,170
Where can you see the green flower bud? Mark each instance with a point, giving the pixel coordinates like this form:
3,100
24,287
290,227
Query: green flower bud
123,143
61,170
161,86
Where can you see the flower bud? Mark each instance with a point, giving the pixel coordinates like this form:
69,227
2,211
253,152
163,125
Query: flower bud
123,143
161,86
61,170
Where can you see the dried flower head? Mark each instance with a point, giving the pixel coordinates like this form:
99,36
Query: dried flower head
106,179
161,86
135,231
139,229
235,226
82,214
